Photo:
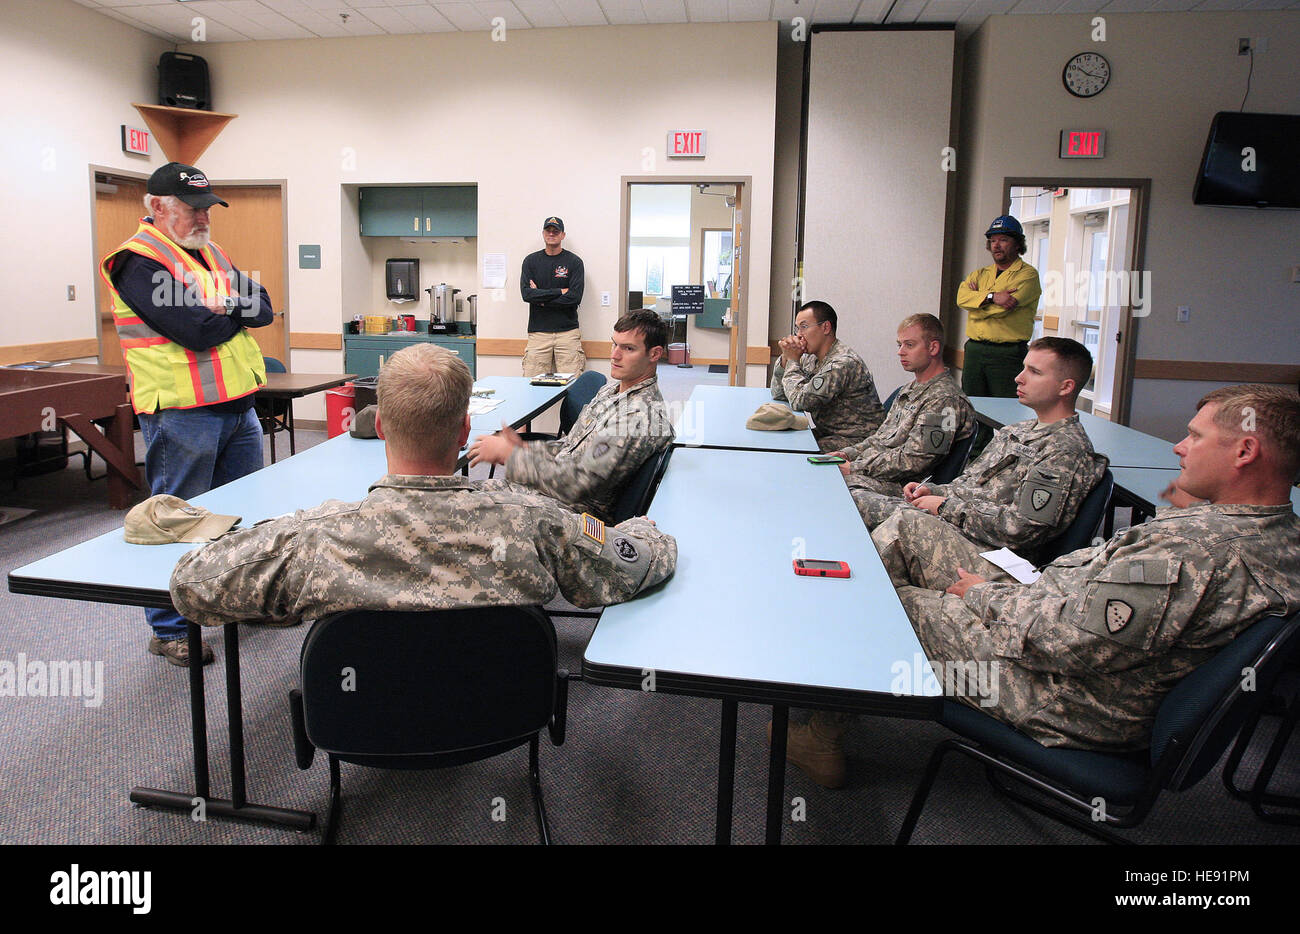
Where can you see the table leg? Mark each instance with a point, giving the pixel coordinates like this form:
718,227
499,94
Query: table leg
237,805
289,419
726,774
776,774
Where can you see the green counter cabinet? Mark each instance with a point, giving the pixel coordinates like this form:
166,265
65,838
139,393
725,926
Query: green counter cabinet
362,352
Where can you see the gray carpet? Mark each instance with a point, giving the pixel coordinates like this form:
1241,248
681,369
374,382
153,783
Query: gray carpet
636,768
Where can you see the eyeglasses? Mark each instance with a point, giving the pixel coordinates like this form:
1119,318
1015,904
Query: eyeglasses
806,325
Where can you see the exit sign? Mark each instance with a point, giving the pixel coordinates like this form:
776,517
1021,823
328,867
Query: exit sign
687,144
135,140
1083,144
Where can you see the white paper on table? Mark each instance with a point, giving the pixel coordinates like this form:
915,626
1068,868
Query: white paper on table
481,406
494,271
1013,564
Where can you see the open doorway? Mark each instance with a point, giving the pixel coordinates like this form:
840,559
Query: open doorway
689,231
1086,238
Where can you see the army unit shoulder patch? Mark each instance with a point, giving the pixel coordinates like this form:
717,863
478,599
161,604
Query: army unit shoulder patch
1118,614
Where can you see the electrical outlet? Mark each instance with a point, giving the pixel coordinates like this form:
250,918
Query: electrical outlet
604,299
72,293
1184,313
1243,46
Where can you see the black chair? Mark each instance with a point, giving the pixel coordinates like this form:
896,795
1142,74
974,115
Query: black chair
892,396
636,496
275,414
953,463
1268,806
428,690
580,392
1194,725
1081,532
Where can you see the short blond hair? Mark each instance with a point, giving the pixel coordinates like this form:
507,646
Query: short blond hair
1272,412
931,327
423,397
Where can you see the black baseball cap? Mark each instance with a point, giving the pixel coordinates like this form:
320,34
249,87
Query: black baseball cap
185,182
553,222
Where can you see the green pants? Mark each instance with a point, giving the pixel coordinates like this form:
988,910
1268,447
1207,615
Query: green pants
991,369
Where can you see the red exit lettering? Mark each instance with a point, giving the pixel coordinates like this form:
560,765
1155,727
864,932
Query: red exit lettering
686,143
1083,144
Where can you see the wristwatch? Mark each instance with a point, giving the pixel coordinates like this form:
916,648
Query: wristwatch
230,303
988,298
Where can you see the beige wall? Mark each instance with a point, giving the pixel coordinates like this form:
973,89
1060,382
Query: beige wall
69,77
1172,72
545,122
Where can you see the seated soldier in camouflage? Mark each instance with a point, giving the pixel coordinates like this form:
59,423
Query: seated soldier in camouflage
624,426
818,374
1022,491
423,538
927,417
1083,657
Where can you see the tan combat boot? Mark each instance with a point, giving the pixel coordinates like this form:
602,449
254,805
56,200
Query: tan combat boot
818,748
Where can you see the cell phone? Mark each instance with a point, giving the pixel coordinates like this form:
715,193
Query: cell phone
811,568
825,459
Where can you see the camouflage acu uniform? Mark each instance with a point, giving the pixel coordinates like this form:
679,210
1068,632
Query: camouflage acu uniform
918,432
1020,493
420,543
588,468
838,393
1086,654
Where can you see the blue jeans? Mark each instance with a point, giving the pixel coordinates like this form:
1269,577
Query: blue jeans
191,451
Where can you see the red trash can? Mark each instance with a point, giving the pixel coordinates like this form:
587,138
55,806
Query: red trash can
339,409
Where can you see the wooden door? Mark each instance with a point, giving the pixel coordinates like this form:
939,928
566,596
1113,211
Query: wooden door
119,205
251,231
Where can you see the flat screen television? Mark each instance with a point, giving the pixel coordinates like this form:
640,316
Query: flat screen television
1251,160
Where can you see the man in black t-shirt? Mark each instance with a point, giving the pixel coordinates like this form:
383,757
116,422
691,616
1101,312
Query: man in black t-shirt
551,284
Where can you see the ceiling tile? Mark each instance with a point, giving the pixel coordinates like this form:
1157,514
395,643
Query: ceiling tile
707,11
624,12
664,11
748,11
542,13
582,12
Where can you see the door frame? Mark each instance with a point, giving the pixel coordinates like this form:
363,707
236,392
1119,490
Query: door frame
739,331
1122,386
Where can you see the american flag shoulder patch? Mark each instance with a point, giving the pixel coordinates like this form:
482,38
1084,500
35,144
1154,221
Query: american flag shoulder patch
593,528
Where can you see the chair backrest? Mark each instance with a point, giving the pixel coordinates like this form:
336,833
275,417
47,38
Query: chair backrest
892,396
1080,533
636,496
379,687
953,463
273,365
581,391
1205,711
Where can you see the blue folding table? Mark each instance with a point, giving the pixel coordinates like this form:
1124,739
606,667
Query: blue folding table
735,622
109,570
715,416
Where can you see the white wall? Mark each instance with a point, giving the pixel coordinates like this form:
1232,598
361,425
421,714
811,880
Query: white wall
69,77
545,123
1171,73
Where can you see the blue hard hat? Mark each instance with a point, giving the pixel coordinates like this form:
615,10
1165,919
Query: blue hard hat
1006,224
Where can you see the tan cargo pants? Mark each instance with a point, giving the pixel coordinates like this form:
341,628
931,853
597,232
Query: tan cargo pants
559,352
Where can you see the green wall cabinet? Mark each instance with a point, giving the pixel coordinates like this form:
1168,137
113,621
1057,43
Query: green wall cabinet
438,211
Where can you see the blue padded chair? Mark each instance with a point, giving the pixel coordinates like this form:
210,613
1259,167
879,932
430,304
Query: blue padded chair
892,396
433,689
580,392
1193,726
636,496
276,415
1080,533
954,462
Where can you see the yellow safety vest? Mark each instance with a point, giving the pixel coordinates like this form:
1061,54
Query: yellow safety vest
165,375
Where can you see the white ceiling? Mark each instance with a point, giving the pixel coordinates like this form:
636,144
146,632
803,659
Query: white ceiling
238,20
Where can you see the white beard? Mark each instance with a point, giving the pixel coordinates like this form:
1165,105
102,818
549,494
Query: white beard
195,241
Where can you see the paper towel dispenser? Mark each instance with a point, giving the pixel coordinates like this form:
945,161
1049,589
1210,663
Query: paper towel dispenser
402,277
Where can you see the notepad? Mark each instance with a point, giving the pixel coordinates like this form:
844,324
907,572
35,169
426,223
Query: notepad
1013,564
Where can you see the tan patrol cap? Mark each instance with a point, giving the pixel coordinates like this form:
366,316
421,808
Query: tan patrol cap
363,423
165,519
772,416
